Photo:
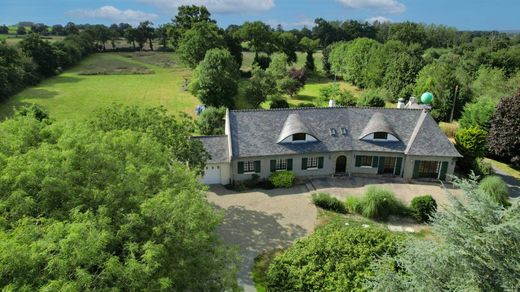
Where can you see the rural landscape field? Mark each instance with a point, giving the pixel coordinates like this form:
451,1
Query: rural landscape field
164,145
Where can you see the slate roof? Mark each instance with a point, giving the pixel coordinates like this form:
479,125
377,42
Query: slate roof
294,125
217,147
256,132
428,139
377,123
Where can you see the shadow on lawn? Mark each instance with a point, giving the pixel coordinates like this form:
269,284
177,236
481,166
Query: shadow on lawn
255,232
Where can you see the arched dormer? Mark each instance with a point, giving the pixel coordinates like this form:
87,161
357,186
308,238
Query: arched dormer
378,129
295,131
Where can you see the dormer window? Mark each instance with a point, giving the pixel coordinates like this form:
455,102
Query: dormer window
299,137
380,135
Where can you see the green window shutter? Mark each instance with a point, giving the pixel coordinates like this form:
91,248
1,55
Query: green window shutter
240,167
444,169
416,169
398,164
289,164
358,161
375,160
320,162
381,167
304,163
257,166
273,165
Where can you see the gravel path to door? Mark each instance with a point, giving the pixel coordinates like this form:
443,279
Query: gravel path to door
258,221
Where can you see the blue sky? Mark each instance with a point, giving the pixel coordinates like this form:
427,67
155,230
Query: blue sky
462,14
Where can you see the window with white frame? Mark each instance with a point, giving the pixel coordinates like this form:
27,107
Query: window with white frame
312,162
249,166
281,164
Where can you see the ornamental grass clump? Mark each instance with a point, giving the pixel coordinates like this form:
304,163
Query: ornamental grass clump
496,189
379,203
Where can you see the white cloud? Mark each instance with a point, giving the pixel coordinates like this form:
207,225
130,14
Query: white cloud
379,19
216,6
114,14
387,6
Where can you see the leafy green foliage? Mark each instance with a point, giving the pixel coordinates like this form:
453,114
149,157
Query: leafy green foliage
282,179
262,61
211,121
379,203
289,86
215,80
257,35
198,40
496,189
334,92
353,205
372,98
279,103
85,207
477,248
278,66
328,202
334,258
504,135
478,114
170,131
471,143
423,208
287,43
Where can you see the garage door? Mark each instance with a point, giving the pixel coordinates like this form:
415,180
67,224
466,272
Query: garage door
211,175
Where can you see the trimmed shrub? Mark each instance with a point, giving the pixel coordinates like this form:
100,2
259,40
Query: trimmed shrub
282,179
423,208
334,258
496,189
328,202
353,205
379,203
279,103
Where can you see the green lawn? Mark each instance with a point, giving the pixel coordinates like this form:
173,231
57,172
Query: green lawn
504,167
72,96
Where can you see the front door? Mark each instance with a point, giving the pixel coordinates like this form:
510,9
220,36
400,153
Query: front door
341,164
389,165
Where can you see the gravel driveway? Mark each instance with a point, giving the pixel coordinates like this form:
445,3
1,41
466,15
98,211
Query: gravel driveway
258,221
262,220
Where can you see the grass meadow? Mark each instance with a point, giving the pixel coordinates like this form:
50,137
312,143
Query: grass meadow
140,78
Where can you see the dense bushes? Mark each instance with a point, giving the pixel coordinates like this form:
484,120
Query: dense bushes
423,208
379,203
334,258
504,135
496,189
328,202
471,143
282,179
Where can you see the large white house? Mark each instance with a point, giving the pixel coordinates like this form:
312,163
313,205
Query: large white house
326,141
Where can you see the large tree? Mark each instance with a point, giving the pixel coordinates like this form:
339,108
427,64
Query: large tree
258,36
215,80
287,43
89,209
504,135
187,16
41,52
261,85
476,247
309,46
197,41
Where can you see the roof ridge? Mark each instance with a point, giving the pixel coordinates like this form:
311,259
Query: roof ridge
418,126
321,108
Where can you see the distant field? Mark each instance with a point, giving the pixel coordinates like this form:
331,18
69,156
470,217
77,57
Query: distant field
72,96
138,78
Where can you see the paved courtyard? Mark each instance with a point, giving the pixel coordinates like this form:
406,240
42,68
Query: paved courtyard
261,220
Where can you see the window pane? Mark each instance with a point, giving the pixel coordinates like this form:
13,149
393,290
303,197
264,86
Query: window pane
299,137
366,160
380,135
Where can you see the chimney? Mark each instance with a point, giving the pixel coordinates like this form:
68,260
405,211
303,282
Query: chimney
332,103
400,103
